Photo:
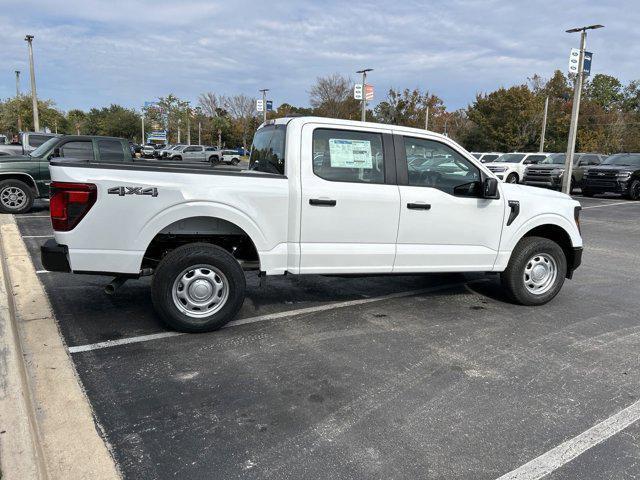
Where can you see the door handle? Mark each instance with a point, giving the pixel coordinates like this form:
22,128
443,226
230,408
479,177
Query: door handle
320,202
418,206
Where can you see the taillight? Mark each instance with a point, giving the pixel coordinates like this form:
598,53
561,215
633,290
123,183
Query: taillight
69,203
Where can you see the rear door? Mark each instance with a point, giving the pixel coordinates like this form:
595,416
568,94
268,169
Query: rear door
350,200
445,224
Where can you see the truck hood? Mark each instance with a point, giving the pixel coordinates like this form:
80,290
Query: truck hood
610,168
14,158
515,191
548,166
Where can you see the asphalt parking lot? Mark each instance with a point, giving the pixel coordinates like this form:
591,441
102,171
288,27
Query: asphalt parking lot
431,376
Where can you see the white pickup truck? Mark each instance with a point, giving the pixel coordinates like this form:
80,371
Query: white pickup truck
321,196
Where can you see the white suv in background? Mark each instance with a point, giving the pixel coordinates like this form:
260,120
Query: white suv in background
510,167
486,157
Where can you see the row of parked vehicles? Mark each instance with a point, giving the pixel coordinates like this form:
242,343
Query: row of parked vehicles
193,153
593,173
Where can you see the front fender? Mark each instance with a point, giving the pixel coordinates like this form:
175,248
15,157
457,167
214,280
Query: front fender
510,241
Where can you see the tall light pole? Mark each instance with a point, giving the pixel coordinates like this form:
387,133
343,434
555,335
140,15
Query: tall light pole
34,96
264,104
426,119
364,93
142,136
188,124
17,98
544,123
575,110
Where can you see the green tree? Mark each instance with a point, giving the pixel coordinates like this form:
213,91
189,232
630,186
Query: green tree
21,107
605,91
409,108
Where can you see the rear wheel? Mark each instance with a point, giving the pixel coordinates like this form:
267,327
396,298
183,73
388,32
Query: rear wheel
536,271
512,178
235,161
198,288
213,160
15,197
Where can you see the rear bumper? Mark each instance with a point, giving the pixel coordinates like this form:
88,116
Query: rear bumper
55,258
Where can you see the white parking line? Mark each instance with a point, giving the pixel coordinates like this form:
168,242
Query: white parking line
37,236
271,316
42,271
33,216
630,202
567,451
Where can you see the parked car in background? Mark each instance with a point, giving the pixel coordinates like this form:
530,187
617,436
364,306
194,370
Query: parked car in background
509,167
618,173
24,178
29,141
164,153
230,157
486,157
3,140
147,150
549,172
188,153
136,150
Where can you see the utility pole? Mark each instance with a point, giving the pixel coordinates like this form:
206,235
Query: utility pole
575,110
426,119
142,137
34,96
17,98
188,124
544,123
199,133
178,130
264,105
364,94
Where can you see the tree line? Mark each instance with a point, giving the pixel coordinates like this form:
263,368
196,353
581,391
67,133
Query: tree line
506,119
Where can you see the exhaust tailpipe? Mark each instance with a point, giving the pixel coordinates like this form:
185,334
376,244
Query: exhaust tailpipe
115,284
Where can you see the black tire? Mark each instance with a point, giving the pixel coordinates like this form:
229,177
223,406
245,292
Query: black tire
522,257
511,178
177,158
199,256
235,161
213,160
15,197
587,193
634,190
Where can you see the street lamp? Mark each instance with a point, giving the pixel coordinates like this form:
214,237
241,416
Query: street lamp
34,96
364,94
575,110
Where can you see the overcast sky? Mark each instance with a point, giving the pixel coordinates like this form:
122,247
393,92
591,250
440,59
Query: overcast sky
94,52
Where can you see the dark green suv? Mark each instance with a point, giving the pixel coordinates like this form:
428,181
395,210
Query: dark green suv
23,178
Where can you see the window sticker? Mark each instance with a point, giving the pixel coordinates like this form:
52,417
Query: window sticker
350,153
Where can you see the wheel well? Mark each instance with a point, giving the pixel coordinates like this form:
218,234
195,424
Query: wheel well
212,230
22,177
558,235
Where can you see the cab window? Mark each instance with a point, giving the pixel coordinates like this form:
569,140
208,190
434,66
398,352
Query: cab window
81,150
436,165
110,151
348,156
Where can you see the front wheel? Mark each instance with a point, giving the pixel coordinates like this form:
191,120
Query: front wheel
536,271
512,178
235,161
198,288
634,190
15,197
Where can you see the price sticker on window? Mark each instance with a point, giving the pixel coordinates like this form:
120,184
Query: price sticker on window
350,153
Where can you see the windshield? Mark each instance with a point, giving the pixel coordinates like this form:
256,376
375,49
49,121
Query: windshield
624,159
554,159
267,150
511,157
44,148
477,155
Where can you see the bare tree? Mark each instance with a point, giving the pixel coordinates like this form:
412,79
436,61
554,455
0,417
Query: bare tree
241,109
331,97
211,104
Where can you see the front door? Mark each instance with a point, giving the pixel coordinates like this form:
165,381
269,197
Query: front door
349,215
444,223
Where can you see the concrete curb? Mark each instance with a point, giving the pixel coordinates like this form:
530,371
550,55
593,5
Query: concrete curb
54,432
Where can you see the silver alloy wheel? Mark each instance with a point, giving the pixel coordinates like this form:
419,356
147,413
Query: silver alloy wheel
540,273
511,178
200,291
13,198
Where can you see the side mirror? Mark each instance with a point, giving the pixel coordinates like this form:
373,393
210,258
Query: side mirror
490,188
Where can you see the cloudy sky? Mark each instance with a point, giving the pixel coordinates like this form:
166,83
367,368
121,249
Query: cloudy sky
94,52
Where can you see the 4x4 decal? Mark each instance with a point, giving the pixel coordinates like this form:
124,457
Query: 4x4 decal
122,191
